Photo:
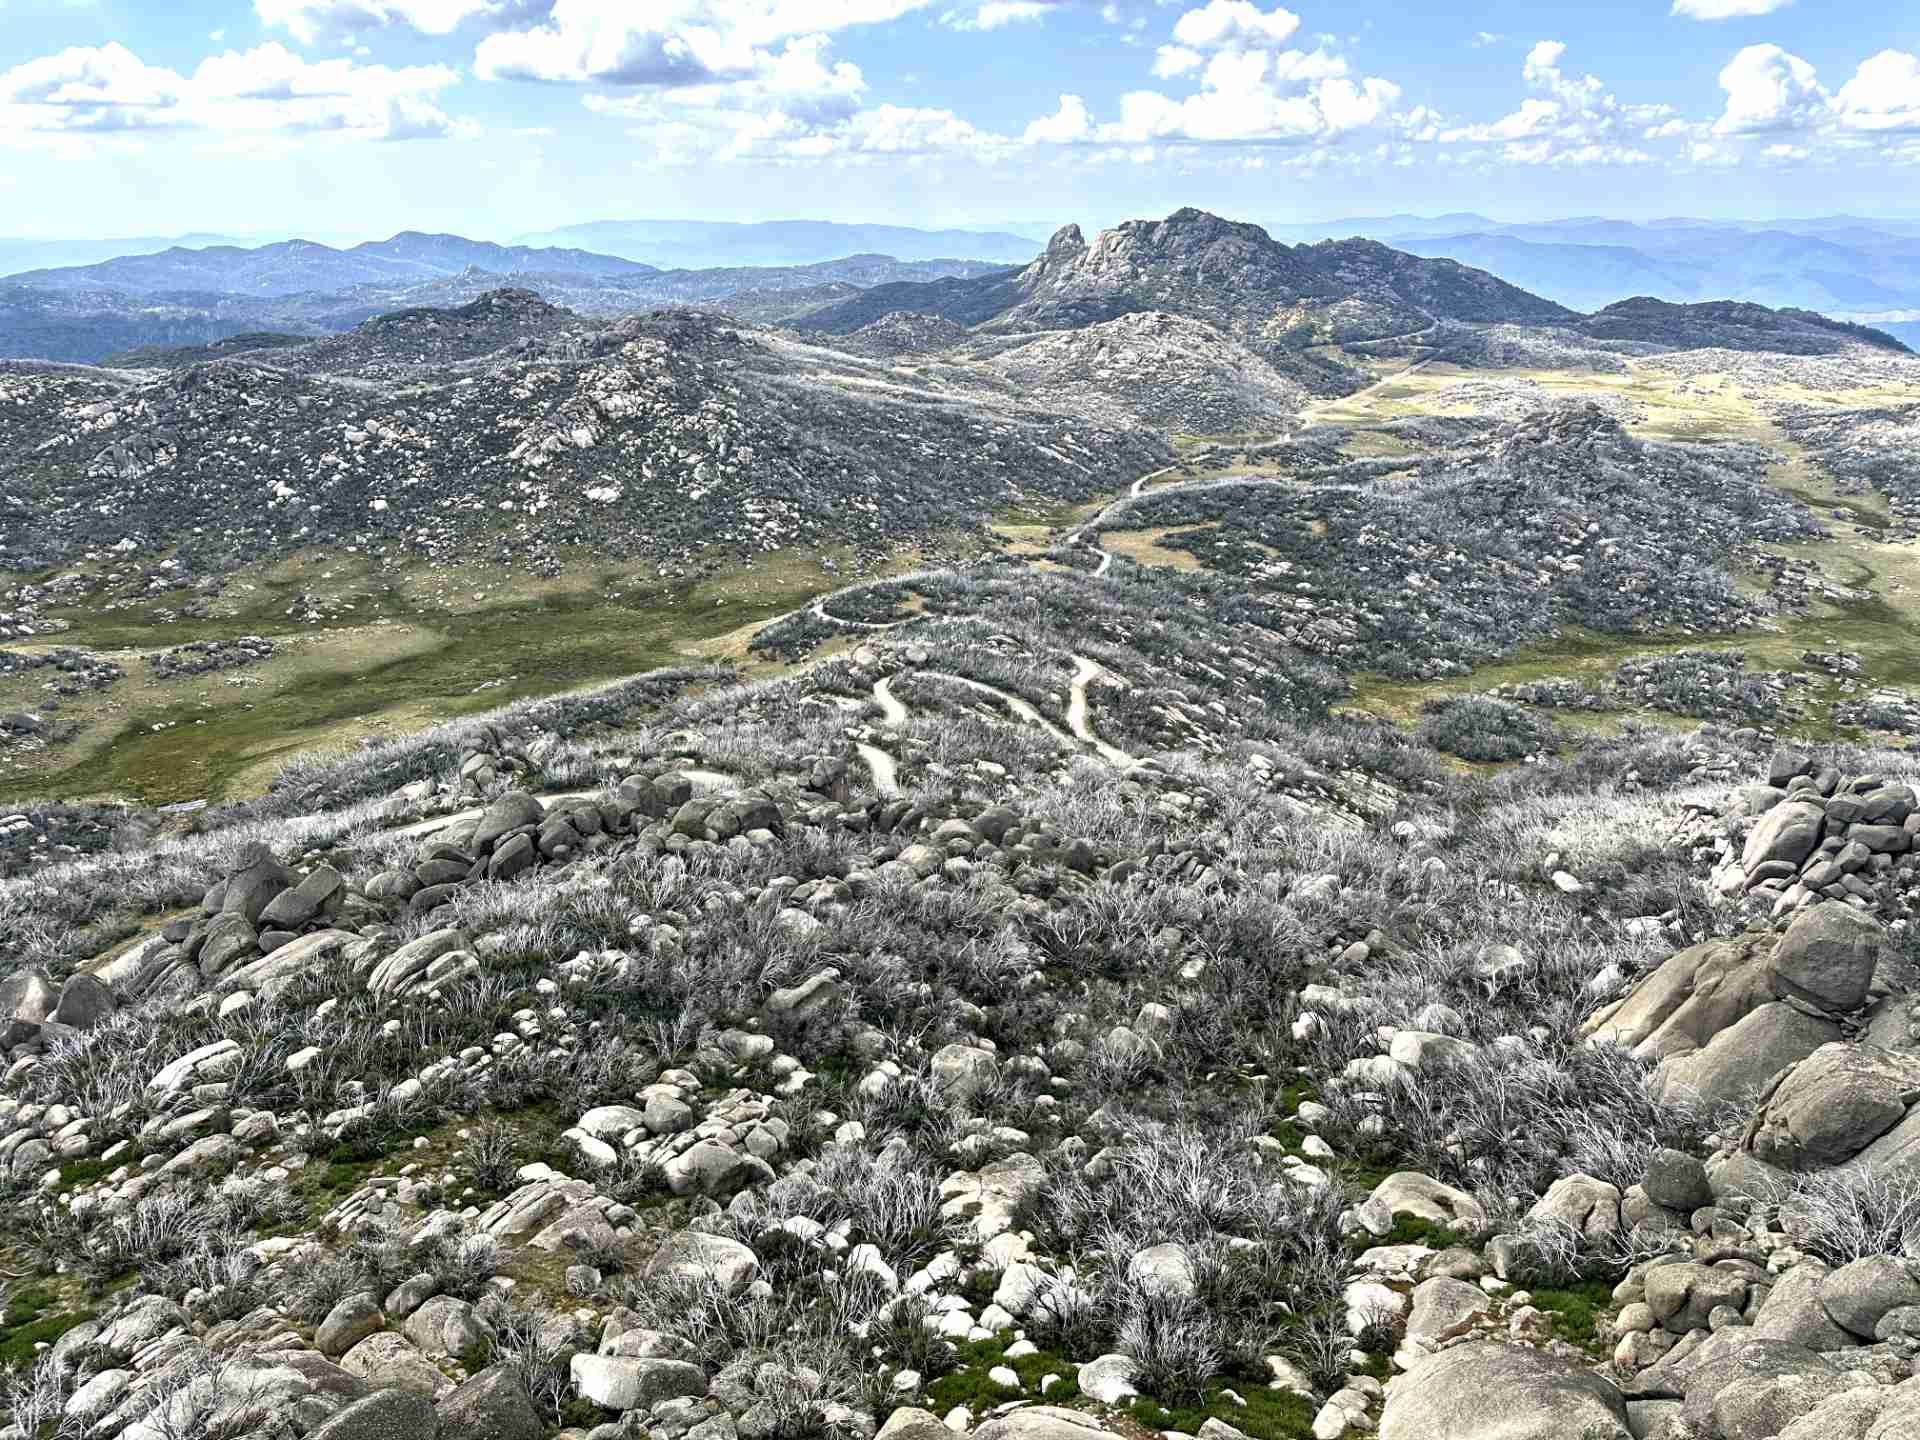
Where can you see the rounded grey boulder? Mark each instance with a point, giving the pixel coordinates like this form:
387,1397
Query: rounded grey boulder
1828,956
383,1415
1486,1390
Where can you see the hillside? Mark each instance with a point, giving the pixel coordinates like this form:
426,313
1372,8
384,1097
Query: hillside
512,425
1731,325
1203,839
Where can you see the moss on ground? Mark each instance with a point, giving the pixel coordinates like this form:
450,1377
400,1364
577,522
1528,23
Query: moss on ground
1576,1313
1264,1415
33,1317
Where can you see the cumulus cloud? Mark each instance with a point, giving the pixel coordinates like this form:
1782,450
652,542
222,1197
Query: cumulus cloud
1570,119
1221,23
310,20
1067,125
1246,90
666,42
1883,97
1769,90
263,91
1727,9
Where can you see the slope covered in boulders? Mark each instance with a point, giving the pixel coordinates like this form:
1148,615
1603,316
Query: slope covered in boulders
509,430
1031,1028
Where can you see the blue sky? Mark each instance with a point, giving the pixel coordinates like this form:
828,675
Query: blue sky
356,118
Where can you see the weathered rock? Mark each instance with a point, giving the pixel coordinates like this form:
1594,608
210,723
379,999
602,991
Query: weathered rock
1487,1390
631,1383
1827,956
1787,833
1444,1308
1834,1104
715,1170
493,1405
1408,1192
1742,1058
384,1415
1683,1296
386,1360
514,810
1755,1388
1588,1207
1793,1313
347,1324
84,1003
1041,1422
695,1256
1857,1294
259,878
294,907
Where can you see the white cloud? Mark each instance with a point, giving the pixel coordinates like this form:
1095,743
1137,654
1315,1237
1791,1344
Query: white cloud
993,14
1222,23
310,20
1769,90
1726,9
264,91
1485,38
667,42
1170,61
1068,124
1883,97
1568,120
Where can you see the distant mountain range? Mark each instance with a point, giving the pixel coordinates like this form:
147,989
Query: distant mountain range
296,267
703,244
1287,303
69,315
1843,266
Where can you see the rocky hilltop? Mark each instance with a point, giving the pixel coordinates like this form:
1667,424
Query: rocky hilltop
512,428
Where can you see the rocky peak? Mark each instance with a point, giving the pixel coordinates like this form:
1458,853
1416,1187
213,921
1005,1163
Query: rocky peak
1067,244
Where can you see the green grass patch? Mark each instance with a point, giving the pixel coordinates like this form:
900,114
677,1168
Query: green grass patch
1267,1414
27,1324
1576,1312
968,1383
76,1173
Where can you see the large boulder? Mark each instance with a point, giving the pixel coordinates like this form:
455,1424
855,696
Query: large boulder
1793,1312
1740,1060
1683,1296
514,810
618,1382
1834,1104
1042,1422
1787,833
1827,957
1588,1207
1752,1389
1859,1293
250,888
695,1257
1691,997
1408,1192
383,1415
1487,1390
493,1405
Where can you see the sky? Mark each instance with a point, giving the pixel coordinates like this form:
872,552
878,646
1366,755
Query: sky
351,119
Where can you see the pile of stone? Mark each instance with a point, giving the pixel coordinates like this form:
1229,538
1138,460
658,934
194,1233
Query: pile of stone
205,657
1814,834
